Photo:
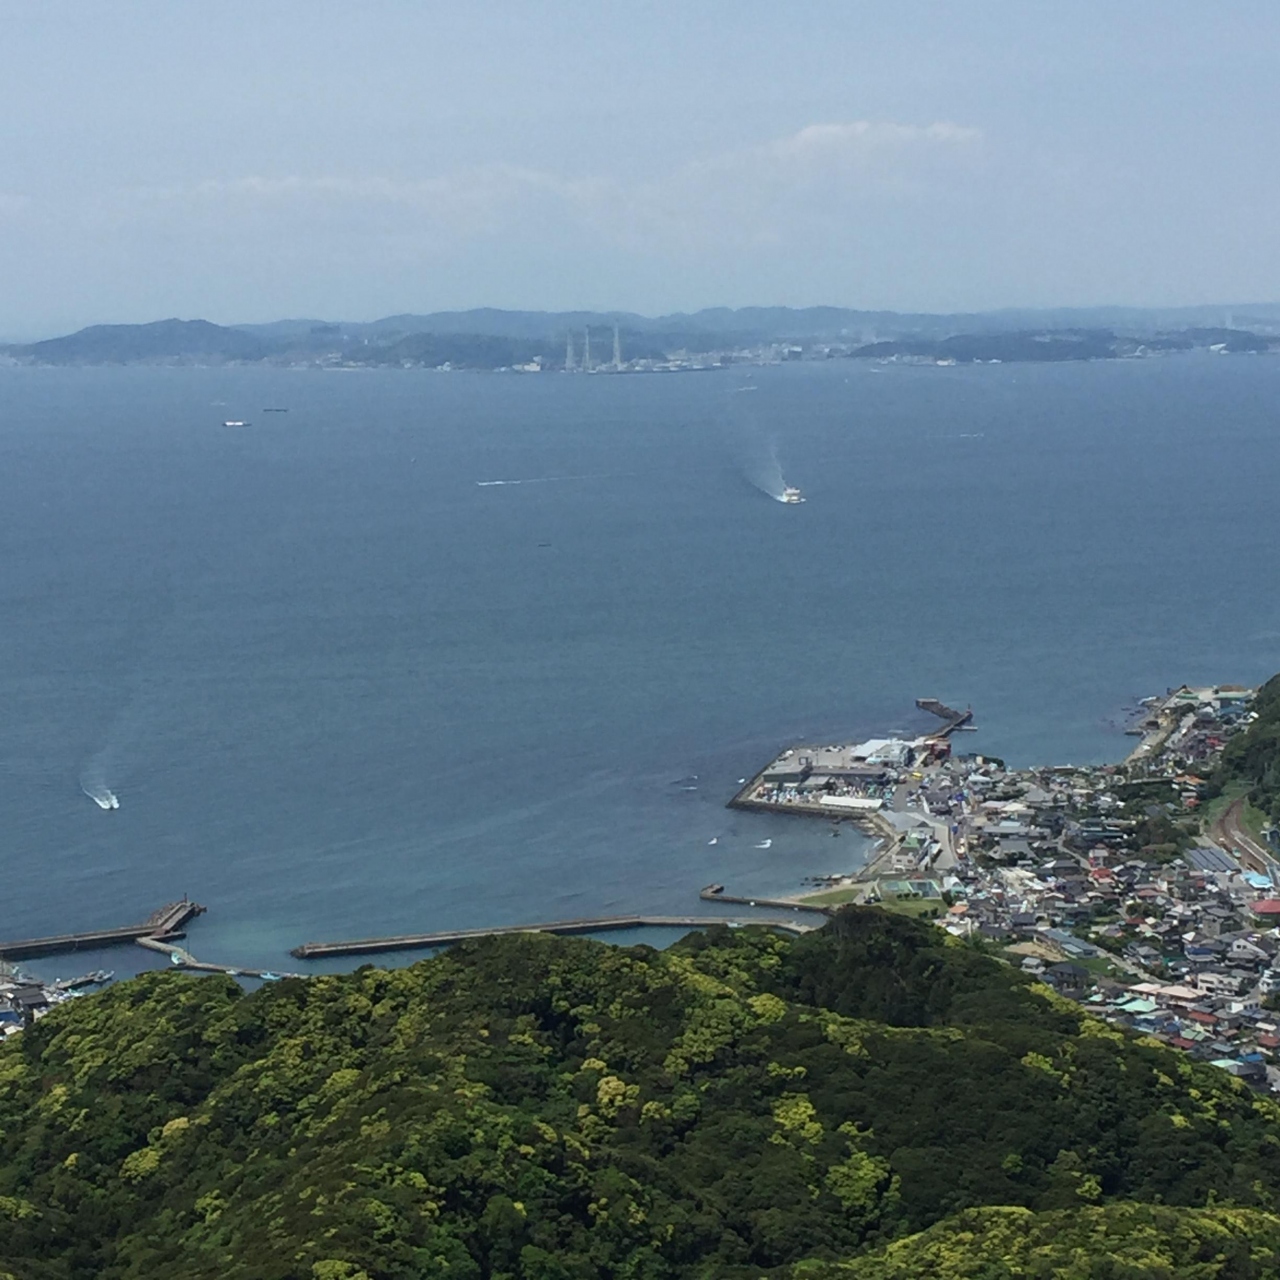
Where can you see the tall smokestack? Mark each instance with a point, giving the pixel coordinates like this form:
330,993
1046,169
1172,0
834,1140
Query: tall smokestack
570,364
617,349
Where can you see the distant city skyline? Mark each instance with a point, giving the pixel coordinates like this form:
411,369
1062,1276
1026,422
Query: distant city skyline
244,164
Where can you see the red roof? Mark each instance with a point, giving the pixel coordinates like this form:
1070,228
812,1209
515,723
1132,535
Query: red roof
1208,1018
1266,907
1269,1042
1179,1042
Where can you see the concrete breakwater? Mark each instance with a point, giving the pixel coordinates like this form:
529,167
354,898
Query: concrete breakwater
161,931
716,893
169,922
180,958
601,924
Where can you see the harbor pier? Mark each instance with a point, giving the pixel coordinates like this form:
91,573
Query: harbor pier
169,922
716,893
851,782
601,924
954,719
180,958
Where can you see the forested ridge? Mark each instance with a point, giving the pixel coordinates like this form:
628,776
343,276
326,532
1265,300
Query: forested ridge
873,1100
1252,758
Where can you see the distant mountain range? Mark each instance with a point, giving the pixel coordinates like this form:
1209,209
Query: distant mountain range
487,338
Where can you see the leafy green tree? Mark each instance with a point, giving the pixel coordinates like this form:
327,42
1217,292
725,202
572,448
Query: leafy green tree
541,1108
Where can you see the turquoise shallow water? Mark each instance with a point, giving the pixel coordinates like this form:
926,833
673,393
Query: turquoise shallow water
342,689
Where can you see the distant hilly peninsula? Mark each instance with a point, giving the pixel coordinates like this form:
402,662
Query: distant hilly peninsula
490,339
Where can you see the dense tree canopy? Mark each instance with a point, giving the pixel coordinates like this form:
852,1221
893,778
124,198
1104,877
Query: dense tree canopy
1108,1242
1252,758
553,1109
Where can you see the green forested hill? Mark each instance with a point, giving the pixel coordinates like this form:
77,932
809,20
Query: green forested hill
546,1109
1110,1242
1253,757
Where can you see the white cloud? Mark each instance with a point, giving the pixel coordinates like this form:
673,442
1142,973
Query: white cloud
752,195
821,174
861,136
470,202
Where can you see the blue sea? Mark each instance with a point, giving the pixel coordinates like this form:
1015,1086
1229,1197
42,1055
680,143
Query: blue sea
343,688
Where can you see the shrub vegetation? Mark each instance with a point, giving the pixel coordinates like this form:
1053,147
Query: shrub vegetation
537,1108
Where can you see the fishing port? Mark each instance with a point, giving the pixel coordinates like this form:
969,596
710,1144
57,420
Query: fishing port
23,997
1108,882
853,781
165,924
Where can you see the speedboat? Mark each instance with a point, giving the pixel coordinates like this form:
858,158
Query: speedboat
792,495
234,422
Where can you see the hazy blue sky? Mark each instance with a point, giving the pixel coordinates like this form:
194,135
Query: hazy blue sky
246,161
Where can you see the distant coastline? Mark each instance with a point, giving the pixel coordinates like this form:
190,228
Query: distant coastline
617,342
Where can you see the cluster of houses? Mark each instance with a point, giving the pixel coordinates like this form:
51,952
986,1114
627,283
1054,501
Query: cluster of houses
1098,881
22,1000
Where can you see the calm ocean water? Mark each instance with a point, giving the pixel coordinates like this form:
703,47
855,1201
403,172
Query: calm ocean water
341,688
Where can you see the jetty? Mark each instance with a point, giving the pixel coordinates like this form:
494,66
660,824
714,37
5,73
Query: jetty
167,923
181,958
716,893
954,719
600,924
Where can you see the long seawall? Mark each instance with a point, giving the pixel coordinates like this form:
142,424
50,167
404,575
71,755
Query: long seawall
601,924
168,922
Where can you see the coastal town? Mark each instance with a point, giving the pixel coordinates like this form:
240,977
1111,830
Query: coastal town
1118,886
1125,887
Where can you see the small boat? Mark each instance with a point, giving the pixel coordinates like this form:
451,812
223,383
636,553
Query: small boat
234,422
102,797
95,979
791,495
269,977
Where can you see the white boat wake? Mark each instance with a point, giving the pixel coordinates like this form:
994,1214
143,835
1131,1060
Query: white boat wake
765,844
765,472
489,484
761,467
100,794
